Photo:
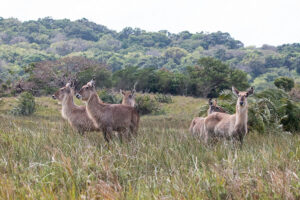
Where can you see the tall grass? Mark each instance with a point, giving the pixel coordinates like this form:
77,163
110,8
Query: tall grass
41,157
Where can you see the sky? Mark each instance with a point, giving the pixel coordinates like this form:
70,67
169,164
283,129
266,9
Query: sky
253,22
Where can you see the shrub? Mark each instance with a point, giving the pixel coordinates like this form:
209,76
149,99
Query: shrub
163,98
285,83
295,93
109,97
146,105
291,119
25,106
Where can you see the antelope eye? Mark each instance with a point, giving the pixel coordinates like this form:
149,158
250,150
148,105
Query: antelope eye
130,96
87,88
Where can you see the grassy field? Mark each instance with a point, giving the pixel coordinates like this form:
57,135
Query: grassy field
41,157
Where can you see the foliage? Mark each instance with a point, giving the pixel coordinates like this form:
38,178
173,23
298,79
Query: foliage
23,43
285,83
291,120
163,98
109,97
45,77
26,105
213,76
145,104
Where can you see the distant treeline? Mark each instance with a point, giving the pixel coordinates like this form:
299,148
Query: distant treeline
206,79
23,43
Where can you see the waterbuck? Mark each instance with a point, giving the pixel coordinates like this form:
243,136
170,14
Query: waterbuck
109,117
76,115
229,126
197,123
213,107
196,127
129,96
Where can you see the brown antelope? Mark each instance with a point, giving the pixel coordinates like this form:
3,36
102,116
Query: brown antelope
108,117
76,115
229,126
213,107
129,96
196,126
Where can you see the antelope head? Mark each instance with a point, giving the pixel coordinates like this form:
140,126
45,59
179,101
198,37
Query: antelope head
63,92
86,91
242,97
212,102
128,97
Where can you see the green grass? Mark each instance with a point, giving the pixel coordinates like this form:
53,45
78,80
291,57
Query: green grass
41,157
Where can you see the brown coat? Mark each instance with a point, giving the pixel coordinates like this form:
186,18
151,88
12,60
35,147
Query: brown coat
229,126
109,117
76,115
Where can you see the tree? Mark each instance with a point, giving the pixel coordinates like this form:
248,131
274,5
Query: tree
285,83
212,76
175,53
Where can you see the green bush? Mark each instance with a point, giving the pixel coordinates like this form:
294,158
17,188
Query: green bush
25,106
163,98
109,97
291,119
285,83
146,105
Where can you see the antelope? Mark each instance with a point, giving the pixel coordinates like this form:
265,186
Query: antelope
196,126
76,115
213,107
197,123
128,96
108,117
229,126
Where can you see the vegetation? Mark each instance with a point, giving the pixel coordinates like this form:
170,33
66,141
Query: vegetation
41,157
55,43
25,106
109,97
145,104
163,98
205,79
285,83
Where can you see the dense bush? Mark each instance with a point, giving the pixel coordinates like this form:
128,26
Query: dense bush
285,83
26,105
163,98
109,97
147,105
291,119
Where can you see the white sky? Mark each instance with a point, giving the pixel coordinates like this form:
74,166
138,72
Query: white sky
254,22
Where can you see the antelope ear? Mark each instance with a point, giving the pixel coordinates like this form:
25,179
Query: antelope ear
122,92
235,91
91,83
72,84
68,84
250,91
215,102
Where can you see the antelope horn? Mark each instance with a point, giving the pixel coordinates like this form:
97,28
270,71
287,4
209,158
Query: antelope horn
135,85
